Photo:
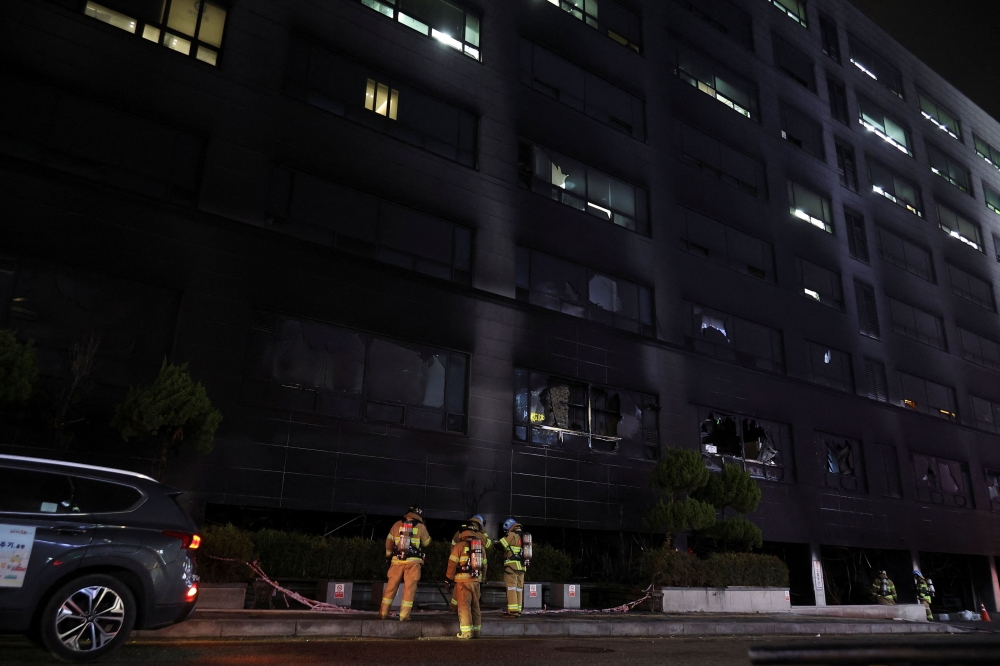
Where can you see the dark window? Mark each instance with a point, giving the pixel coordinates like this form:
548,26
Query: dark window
346,88
996,246
830,367
949,168
566,413
829,37
725,17
867,312
724,245
821,284
928,397
986,151
193,29
838,100
842,463
888,129
847,165
971,288
585,188
800,130
979,350
942,481
993,488
794,63
905,254
758,446
897,189
960,227
875,66
893,482
615,21
716,81
720,161
572,289
27,491
876,385
857,237
443,20
992,202
985,414
917,324
300,205
941,117
733,339
307,366
577,88
793,9
810,206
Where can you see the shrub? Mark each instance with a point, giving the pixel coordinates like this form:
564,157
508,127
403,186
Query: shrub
548,564
18,368
224,541
295,555
674,569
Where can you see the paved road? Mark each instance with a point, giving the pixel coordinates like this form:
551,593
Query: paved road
430,652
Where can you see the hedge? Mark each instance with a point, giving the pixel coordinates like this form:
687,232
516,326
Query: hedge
675,569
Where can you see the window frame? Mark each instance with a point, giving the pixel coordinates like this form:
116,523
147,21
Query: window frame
854,481
939,110
595,21
882,130
739,354
830,38
879,62
816,296
844,360
824,224
70,476
892,196
780,472
929,409
935,154
961,221
986,150
940,341
468,48
728,261
711,89
801,19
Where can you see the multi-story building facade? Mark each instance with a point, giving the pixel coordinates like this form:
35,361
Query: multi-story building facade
502,253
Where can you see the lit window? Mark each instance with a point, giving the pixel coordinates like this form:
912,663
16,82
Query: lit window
959,227
810,207
717,82
440,20
618,23
793,9
986,151
895,188
944,120
192,28
874,120
949,168
382,99
875,66
992,198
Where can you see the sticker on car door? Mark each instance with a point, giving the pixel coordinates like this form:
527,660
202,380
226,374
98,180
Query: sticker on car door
15,553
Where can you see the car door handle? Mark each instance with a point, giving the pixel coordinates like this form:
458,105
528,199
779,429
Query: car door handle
70,530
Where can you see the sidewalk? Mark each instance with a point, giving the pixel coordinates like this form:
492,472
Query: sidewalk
261,623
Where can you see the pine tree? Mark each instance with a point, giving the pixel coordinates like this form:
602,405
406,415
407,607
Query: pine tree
18,368
734,488
172,410
678,477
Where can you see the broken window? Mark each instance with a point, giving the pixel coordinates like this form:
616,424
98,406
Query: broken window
715,81
929,397
557,412
876,385
753,444
993,488
725,17
442,20
794,63
941,117
575,87
875,66
949,168
821,284
960,227
971,288
942,481
842,468
810,206
985,413
720,161
802,131
608,17
735,340
874,120
905,254
918,324
830,367
979,350
897,189
574,290
583,187
724,245
307,366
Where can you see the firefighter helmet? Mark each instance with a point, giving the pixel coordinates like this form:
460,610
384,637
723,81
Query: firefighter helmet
477,519
509,523
416,510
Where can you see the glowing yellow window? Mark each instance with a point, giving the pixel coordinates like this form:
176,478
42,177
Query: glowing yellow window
382,99
110,16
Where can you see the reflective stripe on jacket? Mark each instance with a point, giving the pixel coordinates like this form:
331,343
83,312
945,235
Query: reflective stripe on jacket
511,543
419,537
459,557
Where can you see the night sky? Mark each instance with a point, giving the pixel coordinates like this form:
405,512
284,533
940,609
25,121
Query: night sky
960,39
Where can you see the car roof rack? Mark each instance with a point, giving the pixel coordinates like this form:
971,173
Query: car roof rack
64,463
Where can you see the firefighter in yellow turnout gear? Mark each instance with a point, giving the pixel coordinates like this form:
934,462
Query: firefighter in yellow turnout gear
404,548
513,566
476,523
465,570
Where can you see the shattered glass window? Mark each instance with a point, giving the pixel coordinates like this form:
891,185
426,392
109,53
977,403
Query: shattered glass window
830,367
735,340
993,488
942,481
558,412
985,413
753,444
841,459
308,366
574,290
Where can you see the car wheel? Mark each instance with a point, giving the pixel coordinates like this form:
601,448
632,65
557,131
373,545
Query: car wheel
87,618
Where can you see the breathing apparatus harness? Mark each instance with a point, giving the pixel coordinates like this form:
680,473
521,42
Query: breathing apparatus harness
408,545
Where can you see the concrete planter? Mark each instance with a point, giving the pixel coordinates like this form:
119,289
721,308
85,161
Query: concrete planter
533,593
725,600
221,596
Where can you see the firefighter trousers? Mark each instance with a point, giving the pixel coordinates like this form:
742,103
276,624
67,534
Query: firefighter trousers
467,593
885,601
409,574
927,607
514,581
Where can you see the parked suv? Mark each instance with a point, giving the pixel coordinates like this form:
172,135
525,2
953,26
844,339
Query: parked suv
89,553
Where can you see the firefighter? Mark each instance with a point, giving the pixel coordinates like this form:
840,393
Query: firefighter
513,567
924,592
476,523
404,550
883,590
465,571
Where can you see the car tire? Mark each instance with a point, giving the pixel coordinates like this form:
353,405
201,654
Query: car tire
88,618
